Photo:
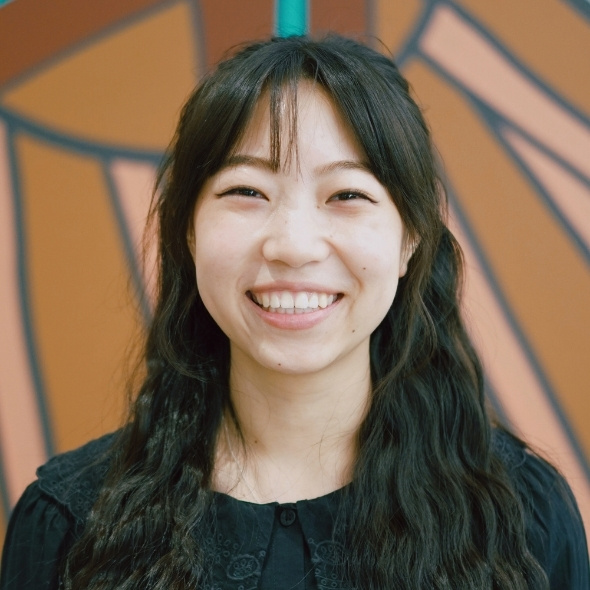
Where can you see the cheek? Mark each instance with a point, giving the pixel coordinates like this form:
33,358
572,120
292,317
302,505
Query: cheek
220,262
377,253
214,284
377,268
210,257
213,266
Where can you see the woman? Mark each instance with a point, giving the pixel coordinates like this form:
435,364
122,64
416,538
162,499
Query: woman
312,414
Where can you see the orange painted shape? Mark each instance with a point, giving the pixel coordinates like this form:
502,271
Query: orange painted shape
569,195
469,58
135,184
227,23
21,441
124,89
82,304
550,37
394,21
346,18
519,391
540,271
33,31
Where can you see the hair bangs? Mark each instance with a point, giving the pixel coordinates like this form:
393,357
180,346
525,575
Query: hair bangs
278,88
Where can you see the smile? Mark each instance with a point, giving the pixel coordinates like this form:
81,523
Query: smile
288,302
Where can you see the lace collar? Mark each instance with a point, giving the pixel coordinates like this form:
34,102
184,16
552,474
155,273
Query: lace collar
74,478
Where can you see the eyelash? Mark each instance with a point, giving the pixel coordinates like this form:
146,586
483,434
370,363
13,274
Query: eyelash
244,191
351,193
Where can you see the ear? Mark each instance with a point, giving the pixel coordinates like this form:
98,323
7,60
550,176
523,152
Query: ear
408,248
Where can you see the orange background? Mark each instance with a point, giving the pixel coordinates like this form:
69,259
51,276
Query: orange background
89,96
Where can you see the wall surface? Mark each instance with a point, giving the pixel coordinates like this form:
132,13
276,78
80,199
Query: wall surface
89,95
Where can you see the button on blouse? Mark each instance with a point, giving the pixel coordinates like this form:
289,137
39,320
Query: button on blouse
277,546
271,546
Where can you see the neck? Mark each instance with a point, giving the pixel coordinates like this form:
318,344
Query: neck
297,433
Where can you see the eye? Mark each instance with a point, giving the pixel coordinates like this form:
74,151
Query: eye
243,191
350,195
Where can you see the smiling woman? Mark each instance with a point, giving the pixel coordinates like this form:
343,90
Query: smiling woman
313,413
320,235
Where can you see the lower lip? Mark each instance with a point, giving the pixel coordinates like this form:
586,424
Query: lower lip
294,321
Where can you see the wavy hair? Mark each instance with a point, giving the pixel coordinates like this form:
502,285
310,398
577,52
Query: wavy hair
432,505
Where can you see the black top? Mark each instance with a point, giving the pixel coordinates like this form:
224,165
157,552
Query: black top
270,546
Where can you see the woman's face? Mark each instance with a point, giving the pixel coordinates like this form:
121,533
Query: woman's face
298,266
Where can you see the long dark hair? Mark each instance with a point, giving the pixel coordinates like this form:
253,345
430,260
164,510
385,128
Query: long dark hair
432,504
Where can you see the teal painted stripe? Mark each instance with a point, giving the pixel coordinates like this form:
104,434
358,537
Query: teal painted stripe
3,2
291,17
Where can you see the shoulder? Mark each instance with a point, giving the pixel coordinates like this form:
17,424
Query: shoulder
38,534
73,479
49,515
554,525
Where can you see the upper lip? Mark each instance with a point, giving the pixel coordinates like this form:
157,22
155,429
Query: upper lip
294,287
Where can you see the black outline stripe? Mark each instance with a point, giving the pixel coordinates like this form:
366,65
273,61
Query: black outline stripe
77,46
510,57
518,332
81,146
581,7
495,123
542,192
24,290
128,246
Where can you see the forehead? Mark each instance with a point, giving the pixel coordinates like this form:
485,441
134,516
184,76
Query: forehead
298,120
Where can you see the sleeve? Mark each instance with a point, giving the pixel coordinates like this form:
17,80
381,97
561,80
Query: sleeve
39,532
555,529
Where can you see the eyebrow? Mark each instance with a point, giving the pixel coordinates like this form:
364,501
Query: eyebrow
244,160
343,165
267,164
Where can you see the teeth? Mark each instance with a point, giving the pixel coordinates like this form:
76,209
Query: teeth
293,303
287,300
301,301
274,301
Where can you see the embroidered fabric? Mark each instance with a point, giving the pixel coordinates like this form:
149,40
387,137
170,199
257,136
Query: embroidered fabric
241,549
327,557
74,478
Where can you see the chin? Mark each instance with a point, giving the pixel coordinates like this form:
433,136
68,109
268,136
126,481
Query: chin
305,363
301,367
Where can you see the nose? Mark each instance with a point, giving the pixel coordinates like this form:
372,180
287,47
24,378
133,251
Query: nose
296,236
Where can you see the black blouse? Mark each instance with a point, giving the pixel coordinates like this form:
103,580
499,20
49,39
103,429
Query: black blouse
270,546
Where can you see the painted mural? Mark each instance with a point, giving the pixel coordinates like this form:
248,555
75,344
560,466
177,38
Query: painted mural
89,95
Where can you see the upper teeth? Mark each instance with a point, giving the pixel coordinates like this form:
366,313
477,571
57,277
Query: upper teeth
291,301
